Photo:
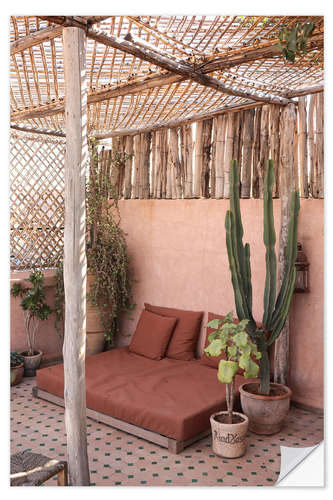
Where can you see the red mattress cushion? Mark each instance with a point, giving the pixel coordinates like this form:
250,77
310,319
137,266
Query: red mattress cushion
170,397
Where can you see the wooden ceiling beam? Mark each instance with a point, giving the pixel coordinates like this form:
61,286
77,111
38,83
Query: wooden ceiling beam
305,91
35,38
185,70
38,131
179,122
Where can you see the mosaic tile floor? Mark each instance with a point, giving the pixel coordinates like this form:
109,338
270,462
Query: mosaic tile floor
119,459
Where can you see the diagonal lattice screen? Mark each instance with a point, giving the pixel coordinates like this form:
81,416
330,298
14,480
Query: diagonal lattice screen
36,201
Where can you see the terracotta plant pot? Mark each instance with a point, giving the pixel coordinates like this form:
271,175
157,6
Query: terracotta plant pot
94,343
266,413
31,363
16,374
228,440
95,332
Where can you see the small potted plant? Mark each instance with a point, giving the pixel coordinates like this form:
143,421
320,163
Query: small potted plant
16,368
35,310
229,428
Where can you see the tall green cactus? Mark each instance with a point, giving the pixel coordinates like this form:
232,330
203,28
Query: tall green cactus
275,309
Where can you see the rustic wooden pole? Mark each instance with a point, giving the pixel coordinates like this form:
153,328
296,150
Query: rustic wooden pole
221,126
256,154
153,164
206,154
187,159
320,144
274,143
145,167
303,147
311,143
228,154
202,158
137,161
248,134
175,161
114,159
287,185
264,148
213,162
121,184
296,141
164,134
158,165
75,265
128,166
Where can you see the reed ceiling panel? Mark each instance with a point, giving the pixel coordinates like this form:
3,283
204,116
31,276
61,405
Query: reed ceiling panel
204,43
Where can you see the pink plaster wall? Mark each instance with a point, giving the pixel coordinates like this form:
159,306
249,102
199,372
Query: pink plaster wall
180,259
47,338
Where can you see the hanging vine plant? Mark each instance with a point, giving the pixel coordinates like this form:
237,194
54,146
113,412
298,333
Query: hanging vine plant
106,249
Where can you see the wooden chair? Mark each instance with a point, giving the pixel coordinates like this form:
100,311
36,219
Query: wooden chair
33,469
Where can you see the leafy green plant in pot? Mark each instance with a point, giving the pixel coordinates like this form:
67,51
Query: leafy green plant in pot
266,404
16,368
229,428
110,274
35,308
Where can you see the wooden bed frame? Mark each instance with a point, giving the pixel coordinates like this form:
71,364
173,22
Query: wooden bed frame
172,445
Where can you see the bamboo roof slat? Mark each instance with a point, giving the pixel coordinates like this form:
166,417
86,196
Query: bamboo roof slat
236,56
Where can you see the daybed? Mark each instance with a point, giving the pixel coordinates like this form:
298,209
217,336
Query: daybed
166,401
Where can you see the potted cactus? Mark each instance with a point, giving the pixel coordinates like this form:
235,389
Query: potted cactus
35,310
16,368
266,404
229,428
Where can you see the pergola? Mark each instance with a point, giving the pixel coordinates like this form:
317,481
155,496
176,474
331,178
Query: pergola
105,77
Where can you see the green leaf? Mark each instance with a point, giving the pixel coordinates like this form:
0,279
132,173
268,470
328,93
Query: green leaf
241,339
232,351
215,348
214,323
252,370
226,371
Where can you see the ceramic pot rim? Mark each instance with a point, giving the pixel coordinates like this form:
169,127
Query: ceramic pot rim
38,351
224,412
287,392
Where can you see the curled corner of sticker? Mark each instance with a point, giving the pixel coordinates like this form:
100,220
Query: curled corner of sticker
291,458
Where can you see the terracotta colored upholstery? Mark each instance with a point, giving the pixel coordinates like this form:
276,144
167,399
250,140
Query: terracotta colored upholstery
184,339
152,335
212,360
173,398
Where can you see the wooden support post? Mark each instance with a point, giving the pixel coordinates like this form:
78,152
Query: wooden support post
145,167
287,185
175,161
153,165
187,152
256,154
229,149
264,148
221,126
128,166
137,162
202,158
248,133
164,134
312,145
320,145
75,266
303,147
296,166
274,143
